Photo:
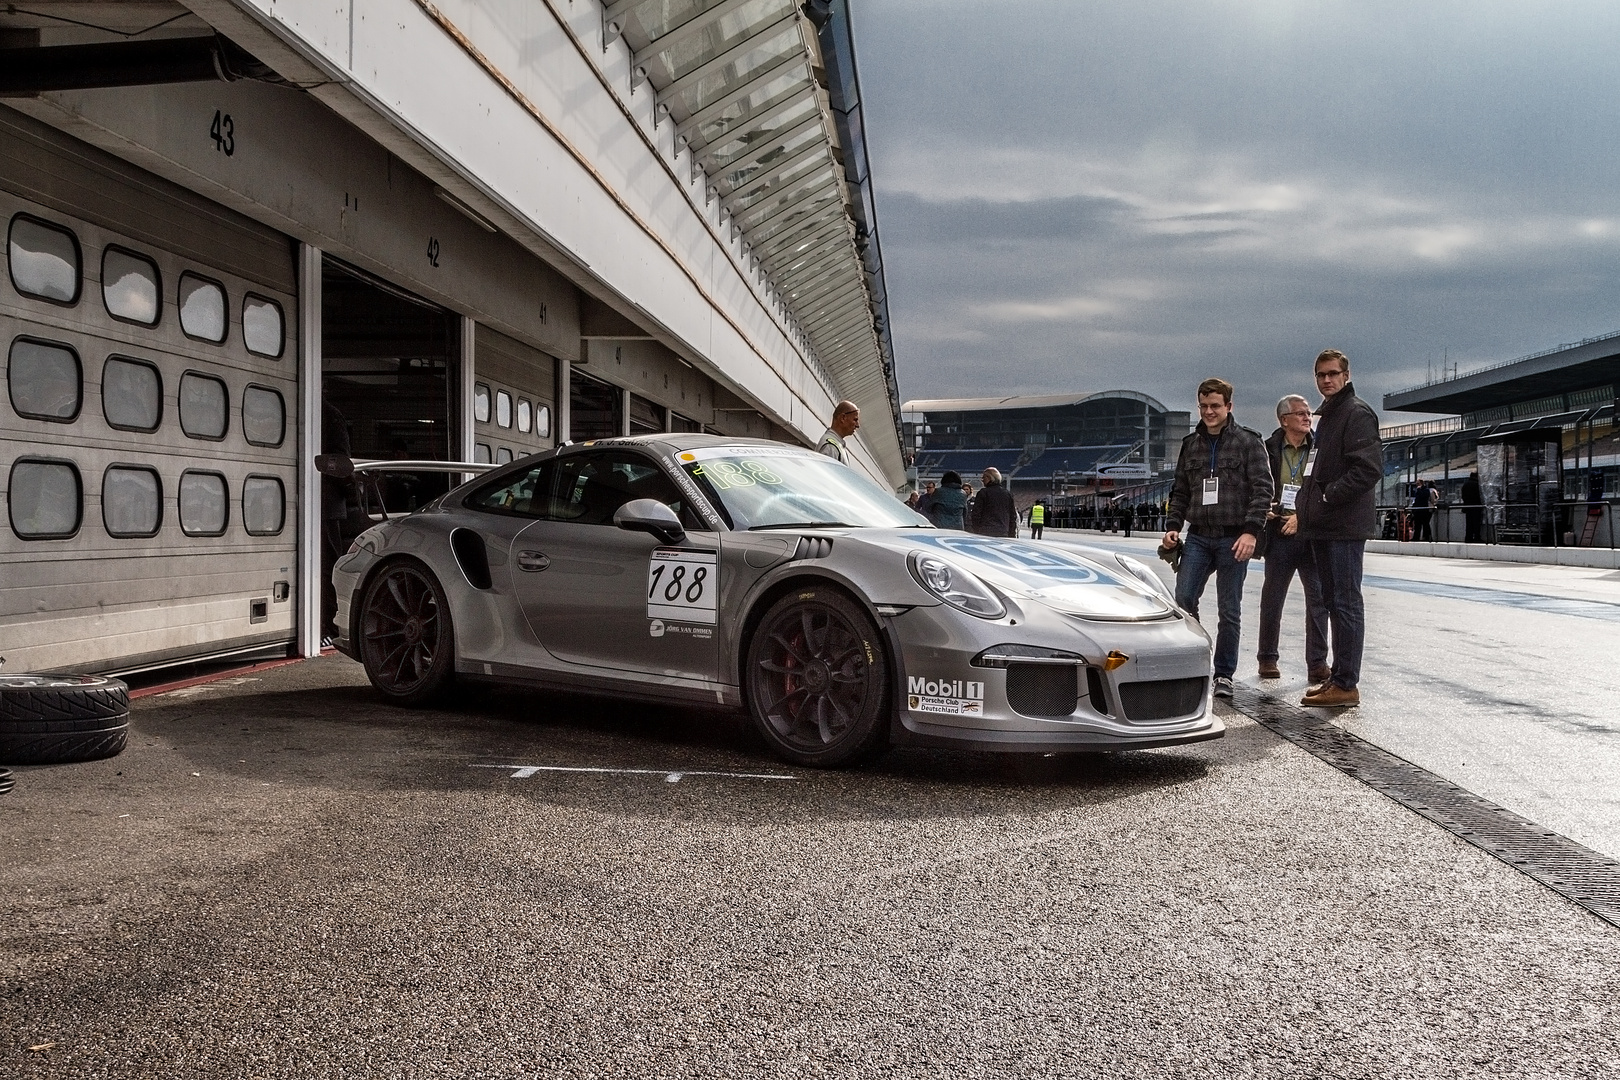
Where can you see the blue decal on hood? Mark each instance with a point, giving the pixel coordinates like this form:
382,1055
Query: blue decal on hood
1023,560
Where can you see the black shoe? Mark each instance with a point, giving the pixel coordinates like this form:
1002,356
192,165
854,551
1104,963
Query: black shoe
1223,686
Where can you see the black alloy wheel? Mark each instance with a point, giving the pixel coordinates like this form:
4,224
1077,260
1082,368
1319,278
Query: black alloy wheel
406,641
817,679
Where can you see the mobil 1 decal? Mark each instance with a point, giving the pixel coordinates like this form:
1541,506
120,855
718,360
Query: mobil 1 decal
951,697
682,586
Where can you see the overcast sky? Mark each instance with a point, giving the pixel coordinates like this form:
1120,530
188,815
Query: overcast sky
1083,195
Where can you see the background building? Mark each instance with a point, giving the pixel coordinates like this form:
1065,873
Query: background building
1047,445
240,232
1539,430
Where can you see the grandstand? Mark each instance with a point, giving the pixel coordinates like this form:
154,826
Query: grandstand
1042,443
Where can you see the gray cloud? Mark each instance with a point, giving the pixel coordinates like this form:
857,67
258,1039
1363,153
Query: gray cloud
1080,195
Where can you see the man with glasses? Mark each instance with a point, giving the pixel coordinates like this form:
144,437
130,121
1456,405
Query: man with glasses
1286,553
1222,492
1337,517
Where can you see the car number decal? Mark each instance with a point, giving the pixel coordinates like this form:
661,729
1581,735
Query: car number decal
683,586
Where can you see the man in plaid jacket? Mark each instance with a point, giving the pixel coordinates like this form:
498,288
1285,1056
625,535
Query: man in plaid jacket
1222,493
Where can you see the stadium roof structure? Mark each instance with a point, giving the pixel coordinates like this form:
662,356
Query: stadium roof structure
1022,401
1561,370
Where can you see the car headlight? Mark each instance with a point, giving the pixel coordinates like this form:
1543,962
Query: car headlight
956,586
1145,575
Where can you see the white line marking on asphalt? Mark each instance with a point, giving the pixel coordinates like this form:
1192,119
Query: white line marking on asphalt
671,776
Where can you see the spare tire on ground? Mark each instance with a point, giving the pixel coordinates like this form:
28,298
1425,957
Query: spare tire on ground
50,719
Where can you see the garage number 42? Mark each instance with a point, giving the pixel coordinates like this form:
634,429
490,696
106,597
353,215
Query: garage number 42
682,586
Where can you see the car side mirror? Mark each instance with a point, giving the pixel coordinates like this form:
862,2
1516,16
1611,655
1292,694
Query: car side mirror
650,516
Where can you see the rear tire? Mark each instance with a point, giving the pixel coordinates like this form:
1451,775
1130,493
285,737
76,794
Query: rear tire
817,681
406,640
54,719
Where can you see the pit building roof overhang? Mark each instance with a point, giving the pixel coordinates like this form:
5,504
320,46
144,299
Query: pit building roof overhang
765,96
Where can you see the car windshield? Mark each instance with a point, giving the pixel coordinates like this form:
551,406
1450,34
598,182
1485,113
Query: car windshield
764,487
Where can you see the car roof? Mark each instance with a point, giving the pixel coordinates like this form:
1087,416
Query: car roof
682,440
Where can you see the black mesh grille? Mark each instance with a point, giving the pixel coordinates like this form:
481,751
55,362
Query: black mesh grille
1162,699
1043,689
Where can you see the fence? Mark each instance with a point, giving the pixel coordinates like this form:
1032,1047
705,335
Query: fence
1587,523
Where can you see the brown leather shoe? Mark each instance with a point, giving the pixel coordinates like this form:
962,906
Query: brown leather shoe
1269,671
1320,675
1332,696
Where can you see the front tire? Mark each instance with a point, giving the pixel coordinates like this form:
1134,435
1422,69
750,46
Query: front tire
407,642
817,680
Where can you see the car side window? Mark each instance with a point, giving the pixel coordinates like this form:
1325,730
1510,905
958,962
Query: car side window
588,488
526,494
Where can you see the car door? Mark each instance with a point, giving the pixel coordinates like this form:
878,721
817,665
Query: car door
598,595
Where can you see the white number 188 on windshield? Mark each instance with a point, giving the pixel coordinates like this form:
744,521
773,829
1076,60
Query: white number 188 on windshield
682,586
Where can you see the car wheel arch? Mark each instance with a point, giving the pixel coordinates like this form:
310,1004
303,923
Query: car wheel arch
769,592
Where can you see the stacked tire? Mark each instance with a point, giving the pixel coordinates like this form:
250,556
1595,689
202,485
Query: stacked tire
52,719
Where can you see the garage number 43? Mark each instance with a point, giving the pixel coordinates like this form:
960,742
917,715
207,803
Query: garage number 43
682,586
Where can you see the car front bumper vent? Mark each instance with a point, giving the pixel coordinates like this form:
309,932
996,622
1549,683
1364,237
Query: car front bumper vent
1162,699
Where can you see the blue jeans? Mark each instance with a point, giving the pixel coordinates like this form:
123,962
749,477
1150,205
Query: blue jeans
1285,556
1338,568
1202,556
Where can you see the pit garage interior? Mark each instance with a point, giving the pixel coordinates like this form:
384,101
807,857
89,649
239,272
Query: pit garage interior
241,234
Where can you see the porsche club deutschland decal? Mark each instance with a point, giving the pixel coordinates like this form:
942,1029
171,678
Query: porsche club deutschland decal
951,697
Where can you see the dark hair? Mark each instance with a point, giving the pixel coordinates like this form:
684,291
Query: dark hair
1216,386
952,478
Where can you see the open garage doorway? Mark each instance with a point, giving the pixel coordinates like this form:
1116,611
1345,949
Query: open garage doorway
389,379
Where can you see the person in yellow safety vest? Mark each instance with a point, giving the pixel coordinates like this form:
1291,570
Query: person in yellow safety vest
1037,519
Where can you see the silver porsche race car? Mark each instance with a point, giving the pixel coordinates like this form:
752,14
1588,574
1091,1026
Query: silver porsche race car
741,573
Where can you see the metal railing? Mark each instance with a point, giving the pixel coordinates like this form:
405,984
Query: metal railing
1560,524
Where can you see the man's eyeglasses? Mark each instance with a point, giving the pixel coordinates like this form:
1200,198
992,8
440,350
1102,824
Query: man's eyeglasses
1330,374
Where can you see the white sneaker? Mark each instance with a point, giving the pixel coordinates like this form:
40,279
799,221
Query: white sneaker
1223,686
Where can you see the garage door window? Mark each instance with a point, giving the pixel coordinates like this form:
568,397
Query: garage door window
481,453
503,409
204,406
264,417
264,505
525,417
130,286
44,499
44,260
131,501
542,421
131,394
202,308
263,331
503,455
481,403
204,503
44,379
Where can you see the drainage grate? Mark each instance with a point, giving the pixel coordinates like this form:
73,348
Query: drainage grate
1572,870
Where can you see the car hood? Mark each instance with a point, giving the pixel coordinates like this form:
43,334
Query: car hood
1058,577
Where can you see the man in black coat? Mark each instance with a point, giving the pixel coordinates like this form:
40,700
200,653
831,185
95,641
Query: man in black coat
1337,515
1473,509
993,513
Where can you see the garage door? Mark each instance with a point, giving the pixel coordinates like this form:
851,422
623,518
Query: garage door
148,429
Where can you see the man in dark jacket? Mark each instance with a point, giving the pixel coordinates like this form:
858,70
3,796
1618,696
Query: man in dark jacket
1289,448
1473,509
994,513
1337,516
1222,490
948,510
